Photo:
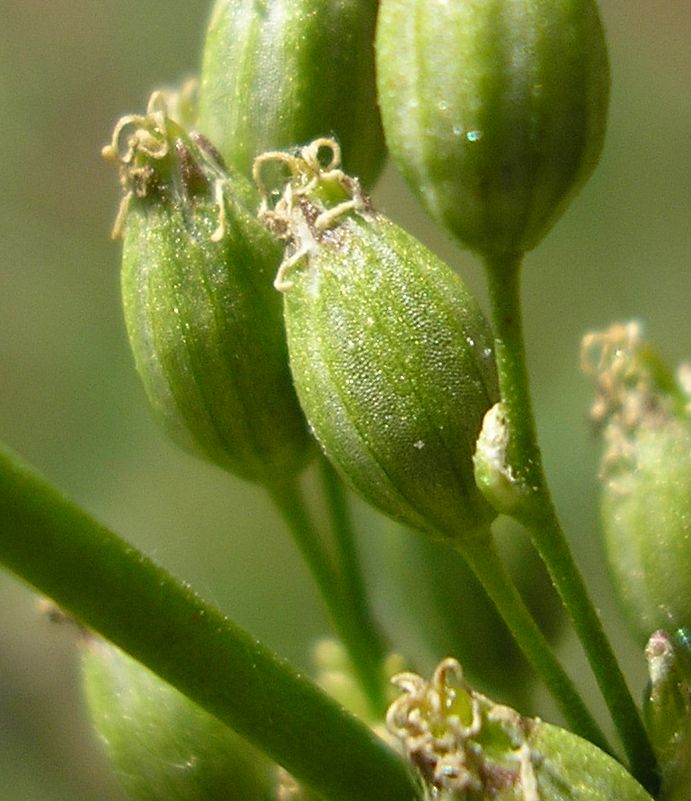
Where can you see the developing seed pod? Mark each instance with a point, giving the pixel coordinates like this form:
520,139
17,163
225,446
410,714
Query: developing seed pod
494,112
203,321
646,475
391,356
465,746
162,746
281,72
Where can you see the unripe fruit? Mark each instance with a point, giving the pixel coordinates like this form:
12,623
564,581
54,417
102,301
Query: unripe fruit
204,324
279,73
646,473
162,746
646,514
465,746
494,110
391,356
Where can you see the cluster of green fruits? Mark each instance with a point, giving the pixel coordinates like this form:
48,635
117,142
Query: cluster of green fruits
372,349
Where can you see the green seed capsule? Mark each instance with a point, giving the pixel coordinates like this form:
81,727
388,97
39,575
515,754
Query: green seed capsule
465,746
277,73
646,472
203,321
161,745
391,356
646,513
495,112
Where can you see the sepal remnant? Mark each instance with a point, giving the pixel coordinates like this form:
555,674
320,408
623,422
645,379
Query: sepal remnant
468,748
667,709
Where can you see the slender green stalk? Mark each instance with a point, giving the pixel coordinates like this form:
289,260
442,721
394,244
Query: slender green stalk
344,535
109,586
352,577
538,514
481,555
351,628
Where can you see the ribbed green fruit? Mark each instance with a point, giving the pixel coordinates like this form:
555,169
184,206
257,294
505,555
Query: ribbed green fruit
646,516
643,410
279,73
494,110
465,746
162,746
203,321
391,355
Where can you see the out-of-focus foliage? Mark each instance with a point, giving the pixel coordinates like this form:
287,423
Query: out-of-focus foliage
70,401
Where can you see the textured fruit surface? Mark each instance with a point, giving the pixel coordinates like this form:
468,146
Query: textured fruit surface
391,355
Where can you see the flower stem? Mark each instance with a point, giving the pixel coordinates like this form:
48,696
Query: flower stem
481,555
363,648
353,580
109,586
537,513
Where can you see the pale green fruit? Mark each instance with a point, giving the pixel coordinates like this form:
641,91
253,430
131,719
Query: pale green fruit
646,516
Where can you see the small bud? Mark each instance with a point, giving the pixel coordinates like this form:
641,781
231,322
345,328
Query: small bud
494,112
466,746
667,709
203,321
391,356
646,475
277,74
162,746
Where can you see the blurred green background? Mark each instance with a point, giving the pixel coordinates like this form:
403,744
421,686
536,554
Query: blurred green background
71,404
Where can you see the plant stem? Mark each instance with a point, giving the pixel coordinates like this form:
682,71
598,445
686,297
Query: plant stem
353,581
112,588
355,632
481,554
537,513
